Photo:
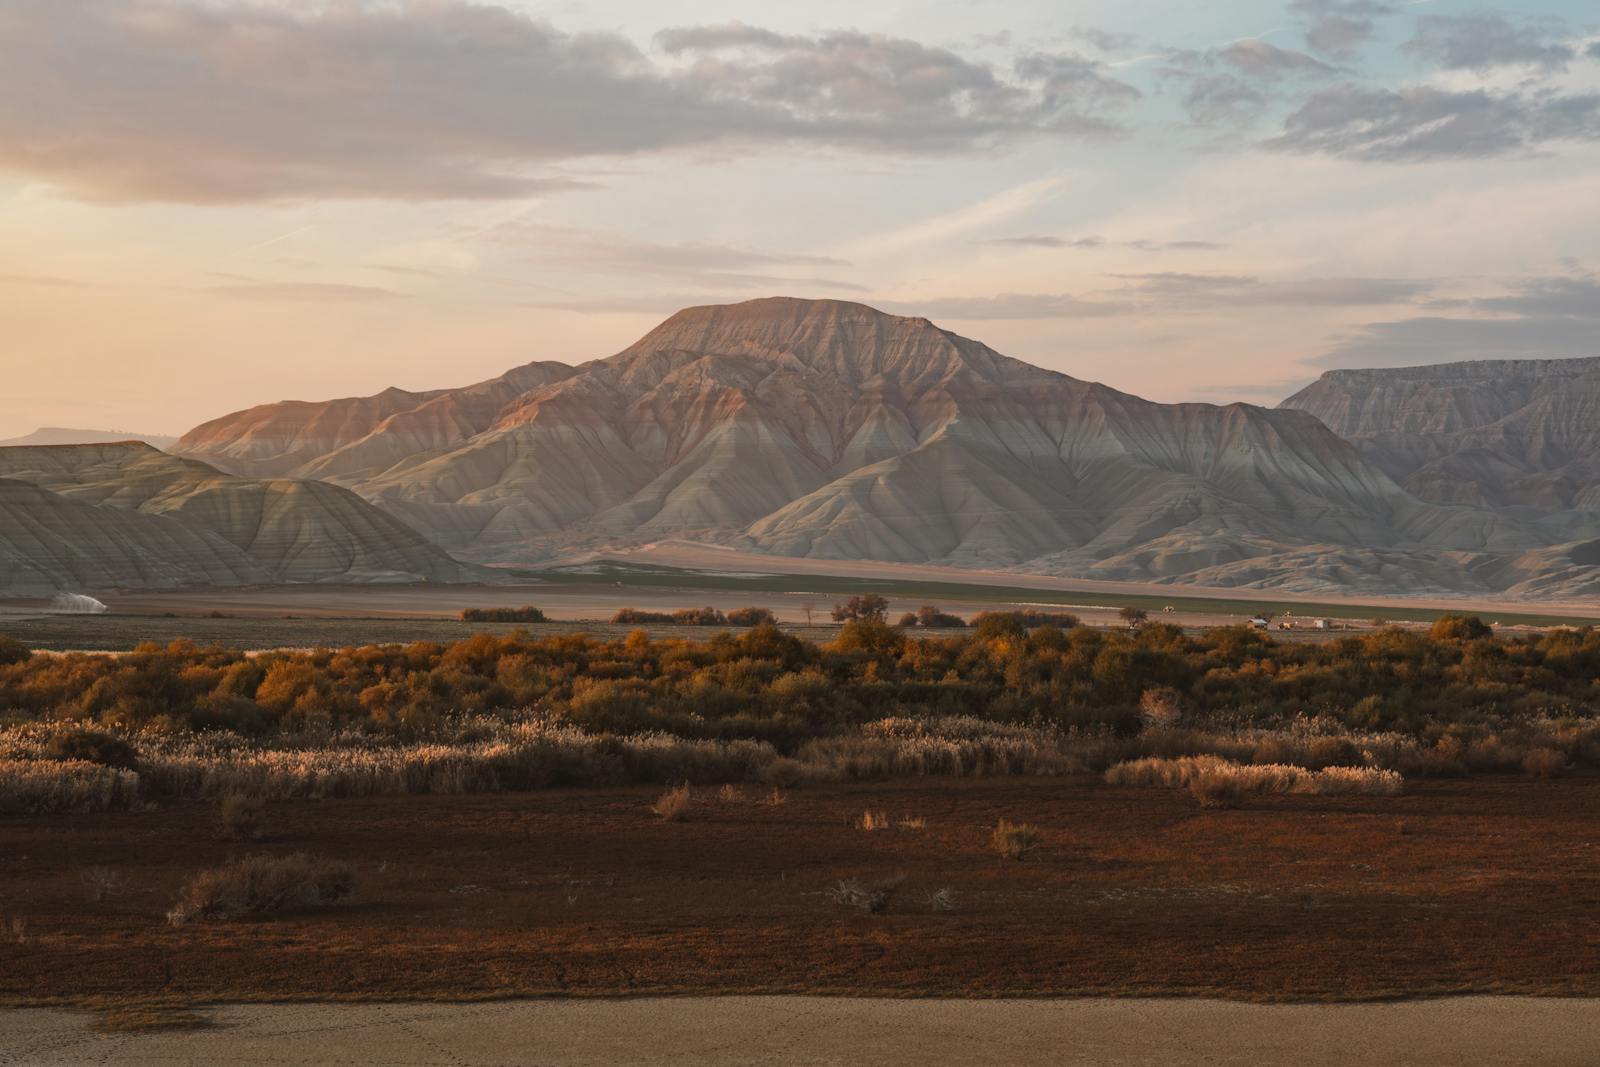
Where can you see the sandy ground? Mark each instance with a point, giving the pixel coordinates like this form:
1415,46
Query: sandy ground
815,1030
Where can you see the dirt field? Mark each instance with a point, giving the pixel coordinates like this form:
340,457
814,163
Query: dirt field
1458,886
813,1030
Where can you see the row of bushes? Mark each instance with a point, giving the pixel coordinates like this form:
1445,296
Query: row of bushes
764,684
526,613
489,753
694,617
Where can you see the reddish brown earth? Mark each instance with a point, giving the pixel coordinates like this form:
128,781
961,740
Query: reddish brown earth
1458,886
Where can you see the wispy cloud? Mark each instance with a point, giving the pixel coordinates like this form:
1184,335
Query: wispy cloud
1422,123
306,292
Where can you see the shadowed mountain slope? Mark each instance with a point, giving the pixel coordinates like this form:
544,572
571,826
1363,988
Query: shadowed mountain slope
829,429
108,515
1495,432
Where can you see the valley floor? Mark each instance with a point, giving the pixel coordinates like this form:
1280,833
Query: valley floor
784,1030
1477,886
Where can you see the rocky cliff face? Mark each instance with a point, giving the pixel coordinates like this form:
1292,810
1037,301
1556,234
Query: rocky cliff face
1494,433
829,429
126,515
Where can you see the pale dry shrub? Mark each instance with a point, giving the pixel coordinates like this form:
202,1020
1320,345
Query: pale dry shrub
873,898
911,824
872,820
1013,840
1216,789
1159,709
955,745
101,883
241,816
673,805
941,899
262,885
777,798
1223,778
731,794
38,787
1543,762
18,932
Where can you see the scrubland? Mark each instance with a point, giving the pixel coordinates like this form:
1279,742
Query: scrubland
88,731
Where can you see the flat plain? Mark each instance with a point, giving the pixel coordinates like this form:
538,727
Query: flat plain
1486,885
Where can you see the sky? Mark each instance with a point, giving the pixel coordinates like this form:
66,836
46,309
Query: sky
209,204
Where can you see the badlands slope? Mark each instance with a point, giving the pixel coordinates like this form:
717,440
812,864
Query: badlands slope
830,430
102,516
1501,432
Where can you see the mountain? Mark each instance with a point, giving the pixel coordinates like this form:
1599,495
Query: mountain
61,435
832,430
100,516
1498,433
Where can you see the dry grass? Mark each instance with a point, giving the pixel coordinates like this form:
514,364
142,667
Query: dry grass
731,794
911,824
673,805
1220,783
943,899
489,753
242,816
872,820
1543,763
777,798
1217,789
873,898
1014,840
262,885
38,787
17,932
149,1020
101,883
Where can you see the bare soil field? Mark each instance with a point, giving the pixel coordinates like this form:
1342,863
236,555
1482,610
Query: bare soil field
785,1030
1458,886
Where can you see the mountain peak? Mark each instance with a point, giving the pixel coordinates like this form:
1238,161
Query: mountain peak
851,342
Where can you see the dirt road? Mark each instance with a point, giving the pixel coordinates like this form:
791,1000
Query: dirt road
812,1030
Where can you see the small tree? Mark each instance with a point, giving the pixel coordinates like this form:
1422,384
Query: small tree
867,606
1134,617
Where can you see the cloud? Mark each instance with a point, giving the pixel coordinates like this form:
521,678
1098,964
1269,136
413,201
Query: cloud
157,100
1216,98
1104,40
1338,28
1480,42
710,266
1432,339
1212,290
1011,306
1570,297
1256,57
1096,241
1420,123
306,292
1540,318
1173,291
1235,82
1593,51
48,280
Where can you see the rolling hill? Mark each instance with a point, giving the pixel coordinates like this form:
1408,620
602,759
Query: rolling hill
102,516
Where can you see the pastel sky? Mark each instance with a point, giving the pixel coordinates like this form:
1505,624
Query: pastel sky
207,204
